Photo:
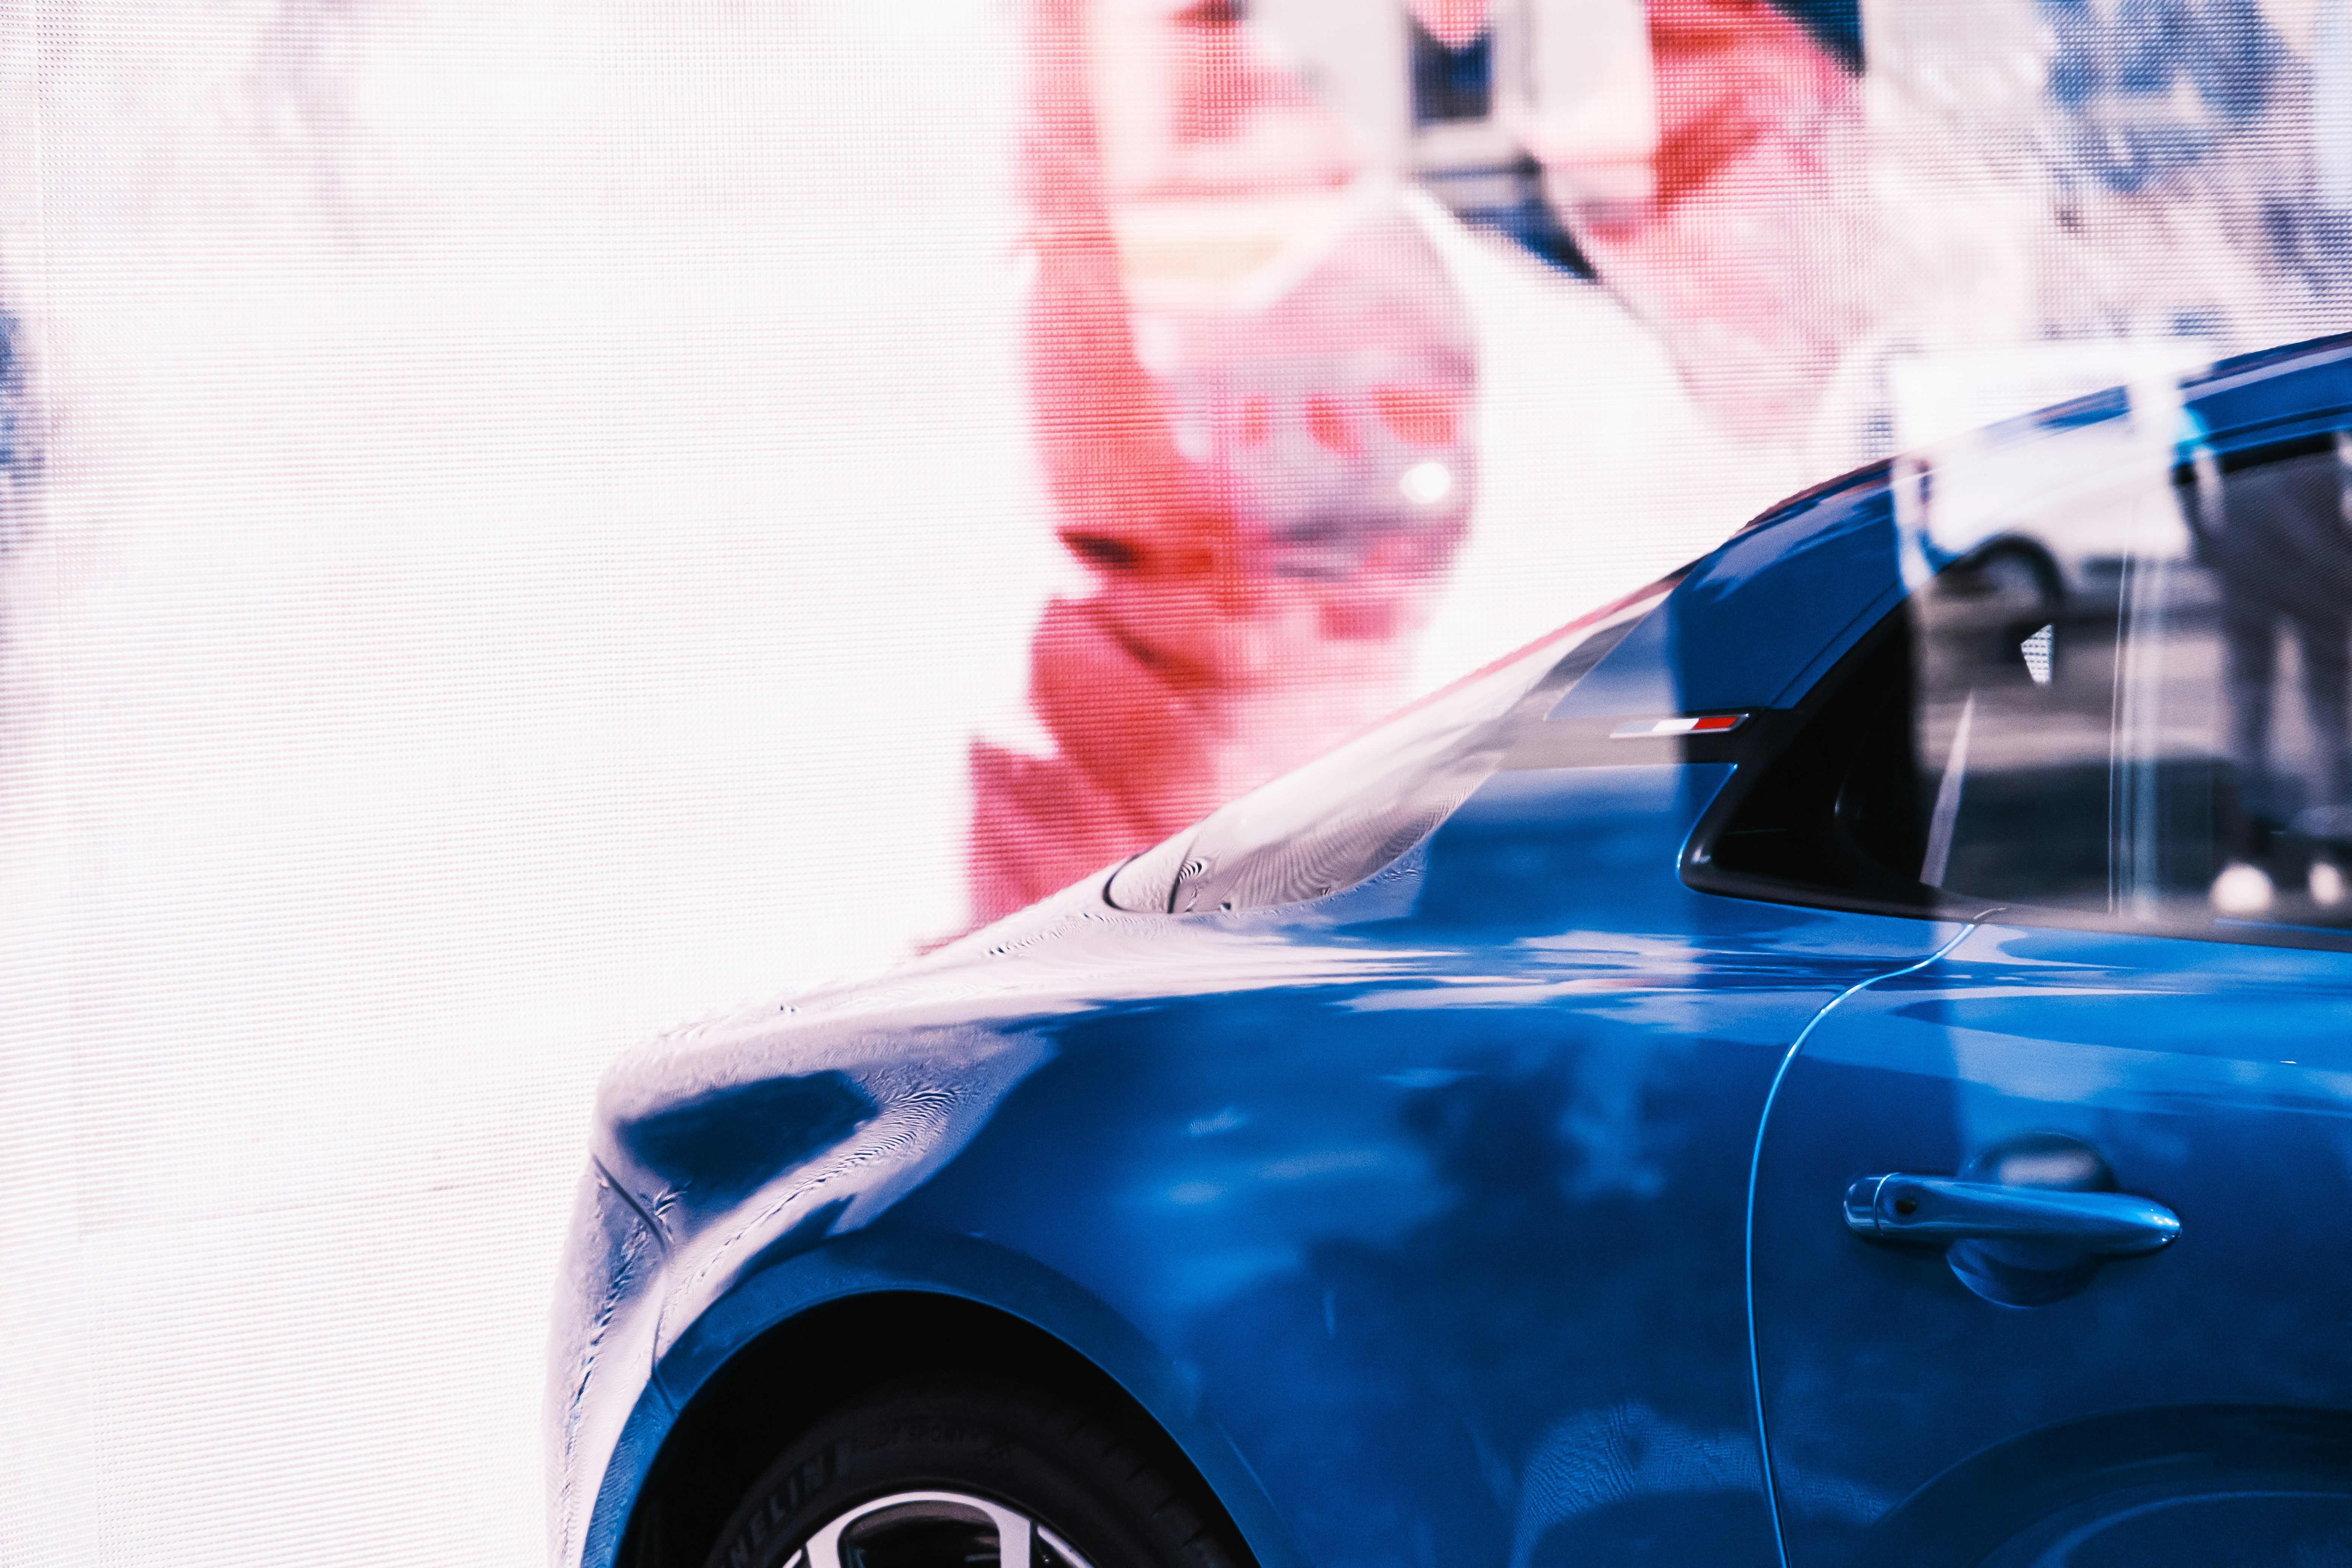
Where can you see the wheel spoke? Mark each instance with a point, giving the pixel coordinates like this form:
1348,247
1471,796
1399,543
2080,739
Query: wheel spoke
1016,1534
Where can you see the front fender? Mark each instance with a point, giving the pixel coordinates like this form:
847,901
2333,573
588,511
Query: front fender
966,1267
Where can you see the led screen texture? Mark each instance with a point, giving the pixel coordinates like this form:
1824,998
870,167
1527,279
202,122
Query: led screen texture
524,521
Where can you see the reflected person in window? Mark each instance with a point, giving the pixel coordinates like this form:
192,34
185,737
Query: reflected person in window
2276,539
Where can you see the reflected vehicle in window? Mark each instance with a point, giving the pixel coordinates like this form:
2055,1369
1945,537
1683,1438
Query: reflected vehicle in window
1838,1058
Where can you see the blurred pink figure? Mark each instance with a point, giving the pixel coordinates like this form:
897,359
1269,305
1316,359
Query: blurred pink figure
1756,256
1267,513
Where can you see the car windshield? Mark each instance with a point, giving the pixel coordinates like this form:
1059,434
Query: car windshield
1341,819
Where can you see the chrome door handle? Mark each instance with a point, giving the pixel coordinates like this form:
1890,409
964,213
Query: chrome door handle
1938,1209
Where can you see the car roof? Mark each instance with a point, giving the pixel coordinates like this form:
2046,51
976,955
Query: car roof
1754,623
1757,622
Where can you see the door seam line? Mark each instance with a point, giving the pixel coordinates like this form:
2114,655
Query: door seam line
1755,1163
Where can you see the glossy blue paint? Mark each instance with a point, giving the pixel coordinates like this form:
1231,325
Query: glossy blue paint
1755,1168
1494,1209
1427,1198
1755,624
2213,1080
1435,1246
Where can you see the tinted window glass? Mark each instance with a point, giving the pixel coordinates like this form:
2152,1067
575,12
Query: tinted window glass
2120,690
2014,650
2229,757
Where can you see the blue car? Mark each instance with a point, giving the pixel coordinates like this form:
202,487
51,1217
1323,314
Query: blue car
1842,1057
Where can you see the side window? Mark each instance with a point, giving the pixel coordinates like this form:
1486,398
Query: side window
2119,696
2232,699
2013,705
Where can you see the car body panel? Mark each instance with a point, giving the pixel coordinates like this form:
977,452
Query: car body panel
900,1259
1434,1248
1376,1178
2216,1080
1755,623
1420,1213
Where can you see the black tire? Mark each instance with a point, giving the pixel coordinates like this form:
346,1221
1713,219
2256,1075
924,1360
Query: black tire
1114,1498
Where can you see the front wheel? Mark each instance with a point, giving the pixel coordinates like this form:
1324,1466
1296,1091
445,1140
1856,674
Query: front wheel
969,1473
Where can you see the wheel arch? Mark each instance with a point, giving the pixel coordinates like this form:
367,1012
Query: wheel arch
750,1405
1984,1506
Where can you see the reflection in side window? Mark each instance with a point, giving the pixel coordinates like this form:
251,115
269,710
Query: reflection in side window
2230,728
2120,691
2167,741
2015,655
2133,698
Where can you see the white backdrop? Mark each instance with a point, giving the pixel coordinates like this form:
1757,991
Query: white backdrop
535,502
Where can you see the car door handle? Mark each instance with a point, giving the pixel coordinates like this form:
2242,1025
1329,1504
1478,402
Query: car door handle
1938,1209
